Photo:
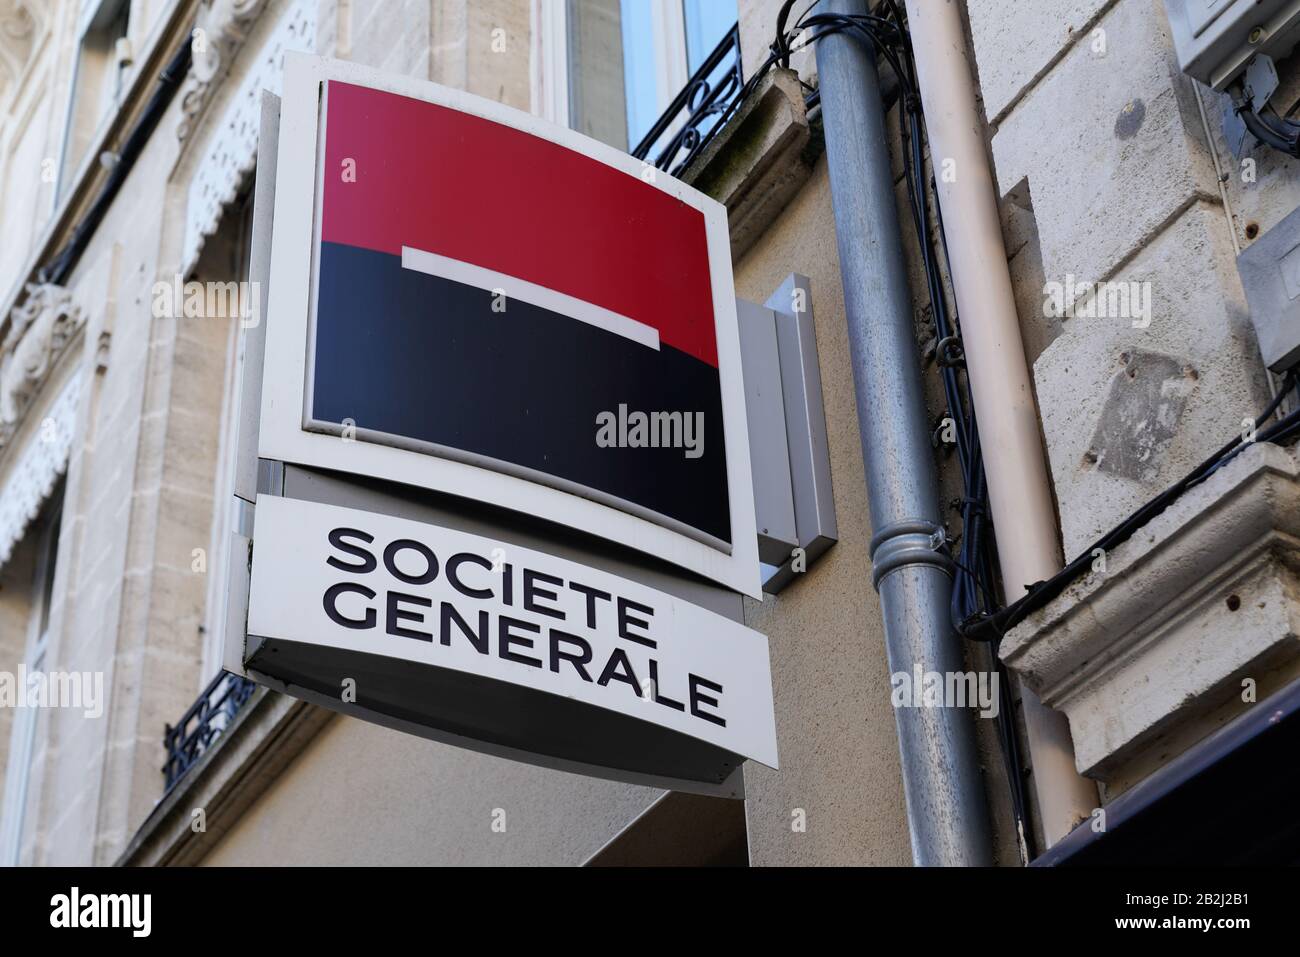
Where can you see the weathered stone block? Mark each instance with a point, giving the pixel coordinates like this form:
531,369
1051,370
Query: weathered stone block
1129,407
1143,407
1015,43
1112,145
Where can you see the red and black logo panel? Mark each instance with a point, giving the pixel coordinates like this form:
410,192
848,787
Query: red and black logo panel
505,299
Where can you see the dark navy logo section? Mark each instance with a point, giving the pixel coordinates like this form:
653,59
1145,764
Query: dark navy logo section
427,361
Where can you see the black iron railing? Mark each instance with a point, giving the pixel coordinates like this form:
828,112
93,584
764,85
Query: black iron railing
698,111
206,720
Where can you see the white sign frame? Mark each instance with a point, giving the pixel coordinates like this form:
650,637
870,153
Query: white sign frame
293,263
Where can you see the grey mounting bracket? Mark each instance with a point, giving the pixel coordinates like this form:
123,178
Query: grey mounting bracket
1270,275
789,454
1261,81
1258,85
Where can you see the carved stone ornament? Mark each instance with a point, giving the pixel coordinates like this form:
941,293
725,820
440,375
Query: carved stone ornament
39,330
21,25
219,34
22,22
229,152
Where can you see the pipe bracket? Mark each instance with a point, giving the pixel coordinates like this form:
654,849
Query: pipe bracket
909,542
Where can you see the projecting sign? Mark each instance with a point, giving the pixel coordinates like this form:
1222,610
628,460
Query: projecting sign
506,645
468,299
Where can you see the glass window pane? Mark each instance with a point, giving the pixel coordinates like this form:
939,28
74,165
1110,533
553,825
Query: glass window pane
596,88
639,68
616,49
707,22
45,564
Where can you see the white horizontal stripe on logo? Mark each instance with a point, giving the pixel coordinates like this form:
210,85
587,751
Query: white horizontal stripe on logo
515,288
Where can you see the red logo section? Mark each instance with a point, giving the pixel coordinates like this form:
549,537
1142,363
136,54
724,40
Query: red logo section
472,190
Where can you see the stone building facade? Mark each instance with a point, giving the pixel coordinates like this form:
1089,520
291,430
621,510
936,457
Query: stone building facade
116,428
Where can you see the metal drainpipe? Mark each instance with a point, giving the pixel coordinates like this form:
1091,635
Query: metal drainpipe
1023,517
946,808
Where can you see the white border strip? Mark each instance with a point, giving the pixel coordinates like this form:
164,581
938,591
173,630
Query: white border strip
515,288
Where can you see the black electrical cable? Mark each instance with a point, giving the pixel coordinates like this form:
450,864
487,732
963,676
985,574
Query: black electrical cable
1280,132
1286,139
992,627
975,583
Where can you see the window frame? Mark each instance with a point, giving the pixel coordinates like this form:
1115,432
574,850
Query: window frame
88,14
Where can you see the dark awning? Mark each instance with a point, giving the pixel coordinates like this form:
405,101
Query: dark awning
1229,800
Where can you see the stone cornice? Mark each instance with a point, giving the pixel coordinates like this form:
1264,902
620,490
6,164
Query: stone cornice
1133,649
229,151
265,736
1240,510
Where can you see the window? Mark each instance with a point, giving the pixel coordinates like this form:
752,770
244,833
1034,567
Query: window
44,532
611,67
103,57
707,22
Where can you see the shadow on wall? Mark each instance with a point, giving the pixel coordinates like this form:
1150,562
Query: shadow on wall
681,830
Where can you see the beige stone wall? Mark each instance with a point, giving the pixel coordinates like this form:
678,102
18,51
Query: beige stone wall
1111,146
362,794
480,46
35,44
839,753
102,777
15,610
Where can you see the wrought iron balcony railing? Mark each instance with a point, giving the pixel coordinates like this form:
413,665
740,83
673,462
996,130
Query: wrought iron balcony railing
698,111
206,720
